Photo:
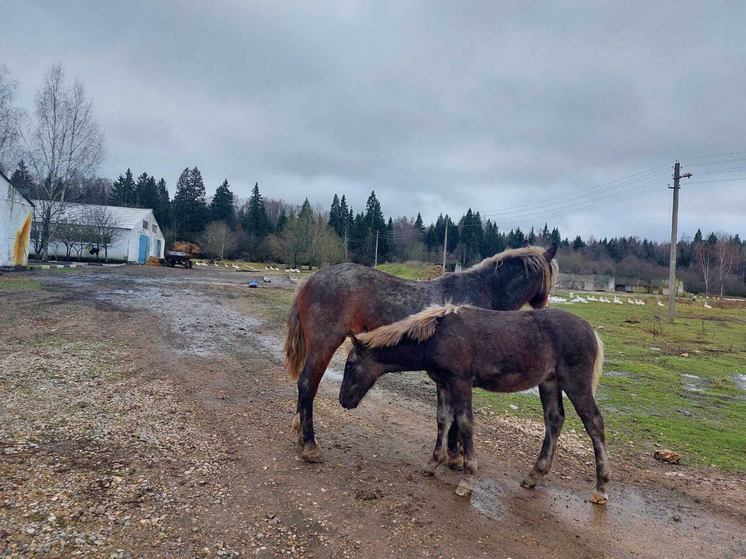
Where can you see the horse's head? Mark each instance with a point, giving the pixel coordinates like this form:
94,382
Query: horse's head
541,299
361,373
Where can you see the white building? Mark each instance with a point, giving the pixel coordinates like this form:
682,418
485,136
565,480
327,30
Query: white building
16,214
139,234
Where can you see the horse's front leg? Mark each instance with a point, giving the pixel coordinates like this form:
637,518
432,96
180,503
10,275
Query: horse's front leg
554,417
461,396
445,417
308,385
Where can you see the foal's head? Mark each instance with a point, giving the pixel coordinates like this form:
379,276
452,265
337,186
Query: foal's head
361,373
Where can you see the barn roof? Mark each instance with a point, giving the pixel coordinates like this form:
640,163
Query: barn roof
128,218
25,192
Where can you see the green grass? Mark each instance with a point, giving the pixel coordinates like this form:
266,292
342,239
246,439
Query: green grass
16,283
410,270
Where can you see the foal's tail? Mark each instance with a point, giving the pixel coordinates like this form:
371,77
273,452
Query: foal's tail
295,342
598,364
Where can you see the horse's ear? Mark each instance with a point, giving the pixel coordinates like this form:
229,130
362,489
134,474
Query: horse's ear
357,344
526,244
550,252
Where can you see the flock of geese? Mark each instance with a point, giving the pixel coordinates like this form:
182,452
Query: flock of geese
267,279
573,298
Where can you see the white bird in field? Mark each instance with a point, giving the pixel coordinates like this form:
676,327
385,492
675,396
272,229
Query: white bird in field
630,301
639,302
572,294
617,300
266,268
592,298
660,304
216,264
707,306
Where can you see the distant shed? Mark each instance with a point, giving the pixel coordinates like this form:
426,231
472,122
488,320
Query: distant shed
140,238
16,215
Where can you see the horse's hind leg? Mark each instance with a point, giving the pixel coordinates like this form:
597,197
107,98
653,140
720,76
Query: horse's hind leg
593,421
554,417
445,417
455,448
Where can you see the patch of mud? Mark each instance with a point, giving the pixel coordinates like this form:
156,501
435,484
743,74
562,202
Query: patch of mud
616,374
203,325
488,498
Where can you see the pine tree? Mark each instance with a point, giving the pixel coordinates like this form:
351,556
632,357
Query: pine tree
221,207
163,211
190,210
578,243
531,237
21,178
146,191
123,191
346,217
554,237
376,224
257,222
336,220
419,225
698,236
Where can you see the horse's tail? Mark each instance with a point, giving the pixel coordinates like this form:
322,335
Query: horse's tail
598,364
295,342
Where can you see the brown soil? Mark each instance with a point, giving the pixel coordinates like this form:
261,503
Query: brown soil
153,405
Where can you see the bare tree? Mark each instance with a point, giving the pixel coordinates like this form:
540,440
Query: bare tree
726,254
10,116
105,228
703,253
62,142
217,240
70,235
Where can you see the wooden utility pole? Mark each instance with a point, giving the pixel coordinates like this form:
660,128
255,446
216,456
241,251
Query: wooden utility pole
445,248
672,262
376,264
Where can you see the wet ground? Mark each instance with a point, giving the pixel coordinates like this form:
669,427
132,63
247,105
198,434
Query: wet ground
208,337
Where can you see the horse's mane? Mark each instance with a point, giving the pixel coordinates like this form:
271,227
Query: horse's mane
418,327
533,261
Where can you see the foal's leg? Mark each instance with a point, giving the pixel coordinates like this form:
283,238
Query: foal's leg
554,417
586,407
461,396
445,417
455,449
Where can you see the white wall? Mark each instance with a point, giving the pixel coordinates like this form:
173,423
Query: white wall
14,211
153,236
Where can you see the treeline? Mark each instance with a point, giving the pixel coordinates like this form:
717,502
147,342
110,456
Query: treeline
264,229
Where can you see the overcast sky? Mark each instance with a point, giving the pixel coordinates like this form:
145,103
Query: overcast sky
437,106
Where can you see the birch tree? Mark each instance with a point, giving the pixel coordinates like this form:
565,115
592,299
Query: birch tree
61,142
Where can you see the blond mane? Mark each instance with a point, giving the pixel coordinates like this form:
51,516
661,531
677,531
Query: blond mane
533,261
418,327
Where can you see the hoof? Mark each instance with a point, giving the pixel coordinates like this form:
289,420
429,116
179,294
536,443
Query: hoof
599,498
463,489
528,483
312,455
428,470
456,462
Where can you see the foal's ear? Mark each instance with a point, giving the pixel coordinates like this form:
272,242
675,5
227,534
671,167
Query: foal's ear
357,344
550,252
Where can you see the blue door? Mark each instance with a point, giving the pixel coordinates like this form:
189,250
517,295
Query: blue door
144,244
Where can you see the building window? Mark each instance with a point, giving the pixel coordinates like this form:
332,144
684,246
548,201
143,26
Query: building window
144,224
155,228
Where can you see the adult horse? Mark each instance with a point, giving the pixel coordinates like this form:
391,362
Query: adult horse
348,299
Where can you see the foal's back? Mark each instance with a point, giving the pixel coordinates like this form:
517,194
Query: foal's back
509,351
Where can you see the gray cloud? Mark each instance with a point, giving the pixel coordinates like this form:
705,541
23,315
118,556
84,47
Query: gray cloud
436,106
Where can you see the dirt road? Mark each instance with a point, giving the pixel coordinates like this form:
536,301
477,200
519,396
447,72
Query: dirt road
146,414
